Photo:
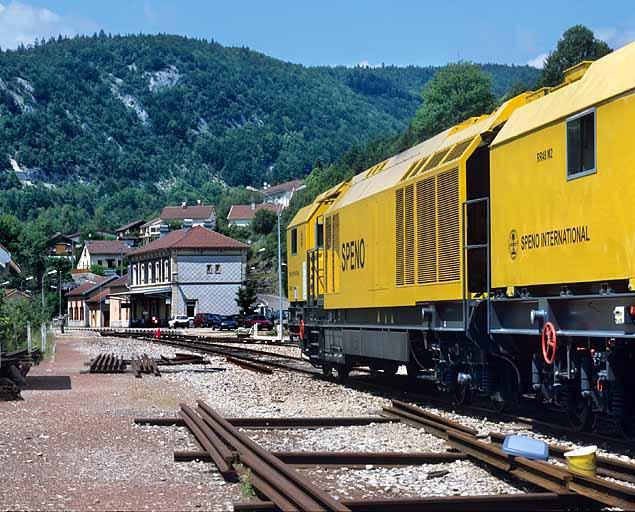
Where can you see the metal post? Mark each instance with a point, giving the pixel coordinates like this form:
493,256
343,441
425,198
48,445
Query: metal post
28,336
280,278
59,291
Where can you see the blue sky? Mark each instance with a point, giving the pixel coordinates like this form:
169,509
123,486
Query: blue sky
336,32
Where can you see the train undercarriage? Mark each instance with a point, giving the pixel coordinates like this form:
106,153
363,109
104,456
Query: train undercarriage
588,379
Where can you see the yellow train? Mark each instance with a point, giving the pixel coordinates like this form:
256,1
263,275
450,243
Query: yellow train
496,258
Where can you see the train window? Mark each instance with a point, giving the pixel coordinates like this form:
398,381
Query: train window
581,144
294,241
319,234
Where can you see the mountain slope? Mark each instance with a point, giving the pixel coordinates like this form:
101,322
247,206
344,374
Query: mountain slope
152,108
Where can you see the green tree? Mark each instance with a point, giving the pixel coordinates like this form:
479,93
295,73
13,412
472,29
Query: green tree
245,297
264,222
577,44
98,269
458,91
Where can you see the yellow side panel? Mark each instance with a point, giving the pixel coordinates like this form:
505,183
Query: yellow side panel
547,229
367,272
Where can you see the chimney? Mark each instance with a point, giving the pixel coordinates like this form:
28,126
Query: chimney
253,206
198,202
184,204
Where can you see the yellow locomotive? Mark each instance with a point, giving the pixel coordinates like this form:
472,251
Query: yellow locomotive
494,259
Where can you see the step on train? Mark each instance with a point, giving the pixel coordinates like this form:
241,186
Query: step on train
495,259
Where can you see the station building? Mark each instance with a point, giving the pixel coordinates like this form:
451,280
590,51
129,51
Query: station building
187,271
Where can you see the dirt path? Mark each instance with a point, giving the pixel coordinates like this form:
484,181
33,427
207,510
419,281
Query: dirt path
72,445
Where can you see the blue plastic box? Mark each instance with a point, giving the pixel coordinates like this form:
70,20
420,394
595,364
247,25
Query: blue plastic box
527,447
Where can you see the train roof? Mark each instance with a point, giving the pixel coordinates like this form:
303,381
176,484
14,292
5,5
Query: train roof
451,144
303,215
608,77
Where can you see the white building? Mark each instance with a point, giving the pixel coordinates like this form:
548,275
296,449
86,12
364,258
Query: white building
189,216
281,194
243,214
106,253
187,271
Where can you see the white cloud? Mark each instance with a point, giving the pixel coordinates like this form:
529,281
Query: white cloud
538,61
22,23
615,37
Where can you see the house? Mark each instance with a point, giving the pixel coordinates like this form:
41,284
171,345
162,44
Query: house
119,302
189,216
185,272
105,253
130,233
75,237
152,230
15,295
62,246
6,263
81,312
281,194
243,214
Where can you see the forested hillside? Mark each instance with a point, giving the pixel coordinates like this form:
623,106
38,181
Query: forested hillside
138,108
105,130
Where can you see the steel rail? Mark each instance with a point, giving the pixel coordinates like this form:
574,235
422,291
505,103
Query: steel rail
498,502
277,423
289,489
342,459
606,466
544,475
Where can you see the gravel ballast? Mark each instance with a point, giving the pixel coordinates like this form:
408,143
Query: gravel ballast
79,449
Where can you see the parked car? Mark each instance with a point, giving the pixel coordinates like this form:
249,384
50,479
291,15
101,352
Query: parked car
263,322
204,320
179,321
223,322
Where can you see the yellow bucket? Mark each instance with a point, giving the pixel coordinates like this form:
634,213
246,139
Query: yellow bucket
582,461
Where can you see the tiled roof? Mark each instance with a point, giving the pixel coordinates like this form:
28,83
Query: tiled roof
130,225
151,222
10,292
288,186
197,237
59,235
98,297
246,212
187,212
86,287
120,281
108,247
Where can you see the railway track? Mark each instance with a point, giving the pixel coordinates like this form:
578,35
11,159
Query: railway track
214,346
547,476
396,387
550,478
274,474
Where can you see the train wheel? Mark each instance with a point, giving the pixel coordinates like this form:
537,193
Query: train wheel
327,370
507,398
390,369
412,369
463,394
341,371
580,415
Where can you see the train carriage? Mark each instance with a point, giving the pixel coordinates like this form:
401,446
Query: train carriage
493,259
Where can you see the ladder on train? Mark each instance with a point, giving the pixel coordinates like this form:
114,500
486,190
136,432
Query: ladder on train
471,304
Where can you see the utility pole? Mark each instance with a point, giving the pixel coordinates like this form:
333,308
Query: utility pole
278,213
